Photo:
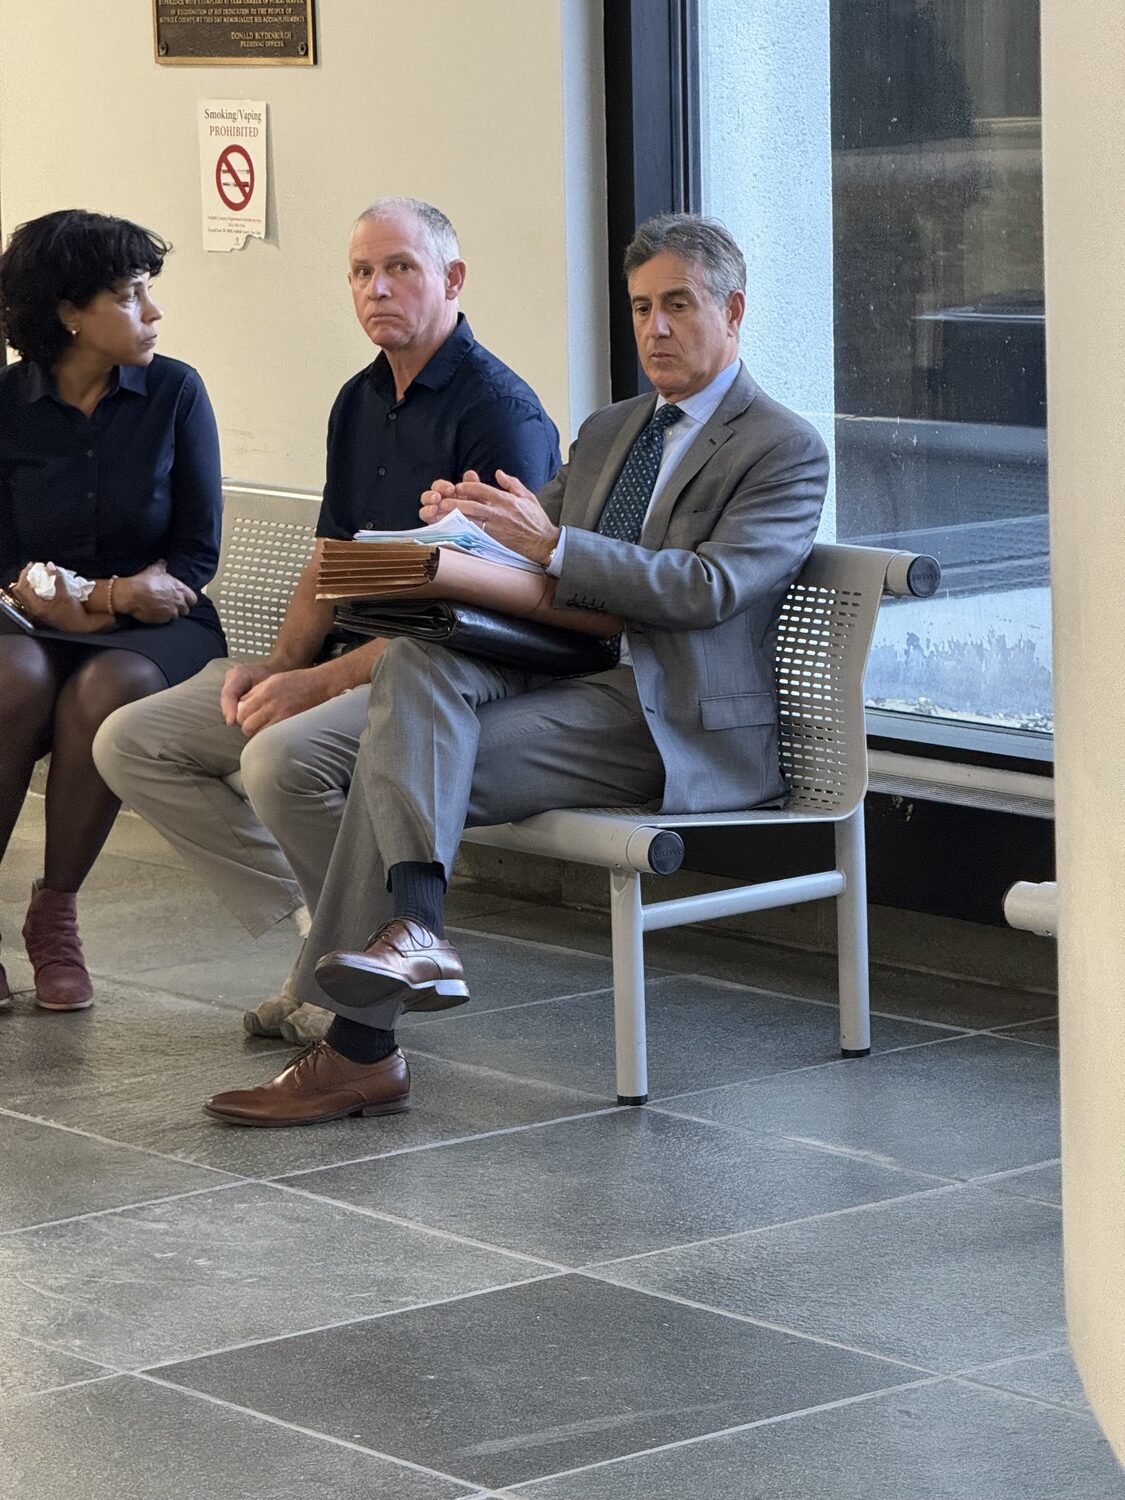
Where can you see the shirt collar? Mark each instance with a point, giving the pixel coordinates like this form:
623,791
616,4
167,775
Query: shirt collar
441,366
133,378
705,403
38,383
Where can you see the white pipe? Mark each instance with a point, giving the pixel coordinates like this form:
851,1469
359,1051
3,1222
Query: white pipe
744,898
1033,907
954,773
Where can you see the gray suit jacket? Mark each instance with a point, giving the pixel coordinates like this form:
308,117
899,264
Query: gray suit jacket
701,593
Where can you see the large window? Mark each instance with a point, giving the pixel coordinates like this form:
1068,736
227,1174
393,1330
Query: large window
879,160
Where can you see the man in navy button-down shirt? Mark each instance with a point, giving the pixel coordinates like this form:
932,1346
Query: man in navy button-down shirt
433,403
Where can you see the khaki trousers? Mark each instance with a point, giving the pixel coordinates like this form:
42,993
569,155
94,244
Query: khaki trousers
168,757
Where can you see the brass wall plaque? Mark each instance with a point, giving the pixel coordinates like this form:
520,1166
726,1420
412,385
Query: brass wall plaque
239,33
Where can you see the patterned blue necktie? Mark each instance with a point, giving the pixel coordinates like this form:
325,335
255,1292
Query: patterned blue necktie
627,506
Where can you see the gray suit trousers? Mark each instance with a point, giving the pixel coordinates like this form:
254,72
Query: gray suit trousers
452,742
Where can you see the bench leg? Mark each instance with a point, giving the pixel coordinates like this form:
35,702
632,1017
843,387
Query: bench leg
629,988
851,929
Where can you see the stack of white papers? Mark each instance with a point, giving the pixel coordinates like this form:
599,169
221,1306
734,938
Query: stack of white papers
456,530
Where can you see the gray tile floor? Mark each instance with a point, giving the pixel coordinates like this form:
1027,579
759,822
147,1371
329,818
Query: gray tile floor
789,1277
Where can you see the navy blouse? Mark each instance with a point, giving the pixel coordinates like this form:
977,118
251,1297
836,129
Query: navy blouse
137,480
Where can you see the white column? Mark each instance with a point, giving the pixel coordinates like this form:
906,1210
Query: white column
1084,169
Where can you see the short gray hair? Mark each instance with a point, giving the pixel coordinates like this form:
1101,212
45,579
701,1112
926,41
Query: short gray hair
438,232
695,238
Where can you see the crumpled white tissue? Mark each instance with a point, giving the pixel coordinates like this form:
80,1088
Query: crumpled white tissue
42,583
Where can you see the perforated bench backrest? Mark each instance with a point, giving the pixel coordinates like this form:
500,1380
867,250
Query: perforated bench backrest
268,537
823,639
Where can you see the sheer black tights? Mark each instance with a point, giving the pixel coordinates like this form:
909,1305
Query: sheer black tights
53,697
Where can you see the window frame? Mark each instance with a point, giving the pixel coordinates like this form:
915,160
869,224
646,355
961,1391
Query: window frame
653,148
654,164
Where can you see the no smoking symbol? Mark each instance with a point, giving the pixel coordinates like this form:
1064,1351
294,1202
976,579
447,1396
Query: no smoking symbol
234,177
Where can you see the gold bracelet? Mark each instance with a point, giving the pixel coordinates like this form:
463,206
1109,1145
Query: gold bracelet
109,594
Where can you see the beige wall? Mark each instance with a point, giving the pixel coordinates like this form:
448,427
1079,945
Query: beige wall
1084,189
490,108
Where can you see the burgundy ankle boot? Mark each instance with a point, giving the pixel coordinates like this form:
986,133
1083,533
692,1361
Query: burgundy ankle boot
50,934
5,992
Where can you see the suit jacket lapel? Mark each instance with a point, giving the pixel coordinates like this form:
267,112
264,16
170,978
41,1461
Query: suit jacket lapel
710,438
590,506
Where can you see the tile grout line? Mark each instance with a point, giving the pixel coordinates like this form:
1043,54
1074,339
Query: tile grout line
719,1239
1029,1198
1035,1166
756,989
146,1373
783,1328
833,1062
1044,1402
137,985
104,1365
555,1267
521,1485
124,1208
522,942
974,1375
806,1143
455,1140
939,1184
472,1490
664,976
525,1078
26,1397
246,1345
108,1140
105,1140
1022,1041
517,1005
658,1101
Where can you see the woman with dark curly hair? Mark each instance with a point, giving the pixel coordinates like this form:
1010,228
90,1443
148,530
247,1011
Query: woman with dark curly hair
110,514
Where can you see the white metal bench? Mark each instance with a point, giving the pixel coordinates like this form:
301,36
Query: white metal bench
824,637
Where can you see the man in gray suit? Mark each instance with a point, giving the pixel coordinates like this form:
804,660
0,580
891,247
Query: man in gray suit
687,514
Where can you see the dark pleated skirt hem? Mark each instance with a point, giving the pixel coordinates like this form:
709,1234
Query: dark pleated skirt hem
180,648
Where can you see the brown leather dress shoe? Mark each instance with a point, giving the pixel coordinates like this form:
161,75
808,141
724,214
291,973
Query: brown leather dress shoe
318,1085
402,956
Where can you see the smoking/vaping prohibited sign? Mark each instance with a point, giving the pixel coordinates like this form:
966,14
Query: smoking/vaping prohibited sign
233,173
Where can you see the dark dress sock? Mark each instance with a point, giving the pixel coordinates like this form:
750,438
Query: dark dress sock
418,891
359,1044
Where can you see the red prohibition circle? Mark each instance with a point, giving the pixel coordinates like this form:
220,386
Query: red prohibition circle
239,189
